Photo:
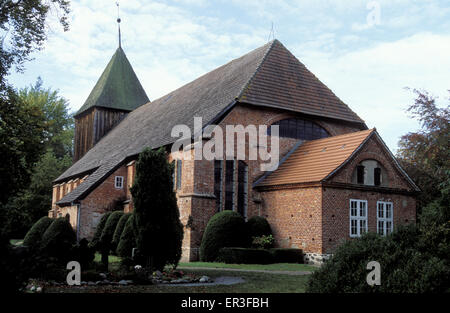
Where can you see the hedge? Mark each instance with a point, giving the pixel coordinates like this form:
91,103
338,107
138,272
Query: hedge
58,239
118,231
258,226
244,256
99,230
108,231
34,235
127,239
224,229
281,255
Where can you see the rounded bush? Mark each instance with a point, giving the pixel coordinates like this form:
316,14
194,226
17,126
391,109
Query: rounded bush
99,230
108,231
258,226
118,231
58,239
244,256
127,239
34,235
225,229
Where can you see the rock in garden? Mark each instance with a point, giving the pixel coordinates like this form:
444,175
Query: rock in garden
39,289
102,275
123,282
204,279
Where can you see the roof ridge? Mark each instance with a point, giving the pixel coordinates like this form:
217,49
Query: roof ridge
271,44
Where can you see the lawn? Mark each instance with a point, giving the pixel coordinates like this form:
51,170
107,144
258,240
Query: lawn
268,267
254,282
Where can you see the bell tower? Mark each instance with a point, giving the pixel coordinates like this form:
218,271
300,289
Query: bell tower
116,93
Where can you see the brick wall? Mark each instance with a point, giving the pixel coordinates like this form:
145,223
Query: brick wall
336,213
97,202
295,216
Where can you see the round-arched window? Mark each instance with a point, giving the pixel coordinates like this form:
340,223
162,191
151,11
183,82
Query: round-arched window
370,172
299,129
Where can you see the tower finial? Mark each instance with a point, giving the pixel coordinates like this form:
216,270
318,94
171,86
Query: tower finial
118,23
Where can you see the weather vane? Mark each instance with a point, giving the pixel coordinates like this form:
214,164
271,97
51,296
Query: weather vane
118,23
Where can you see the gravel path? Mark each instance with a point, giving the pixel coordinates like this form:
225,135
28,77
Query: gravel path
296,273
223,280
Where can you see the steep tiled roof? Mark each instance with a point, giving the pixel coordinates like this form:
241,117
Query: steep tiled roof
268,76
284,82
314,160
117,88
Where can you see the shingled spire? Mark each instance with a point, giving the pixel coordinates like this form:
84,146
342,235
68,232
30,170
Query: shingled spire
116,93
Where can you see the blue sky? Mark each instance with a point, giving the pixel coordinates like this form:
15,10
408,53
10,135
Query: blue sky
367,52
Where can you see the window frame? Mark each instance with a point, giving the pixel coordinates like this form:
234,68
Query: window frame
358,218
242,192
218,183
116,179
300,129
385,220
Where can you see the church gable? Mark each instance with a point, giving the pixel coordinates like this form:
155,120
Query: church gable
373,165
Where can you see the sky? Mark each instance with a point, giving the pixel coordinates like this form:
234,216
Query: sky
367,52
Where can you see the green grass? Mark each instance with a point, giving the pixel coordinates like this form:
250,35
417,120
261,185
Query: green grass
16,242
254,282
112,259
268,267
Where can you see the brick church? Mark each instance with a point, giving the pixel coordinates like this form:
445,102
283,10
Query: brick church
336,179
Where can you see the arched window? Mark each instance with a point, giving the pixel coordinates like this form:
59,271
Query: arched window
370,172
299,129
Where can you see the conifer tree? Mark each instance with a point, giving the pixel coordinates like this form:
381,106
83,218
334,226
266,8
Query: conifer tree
159,232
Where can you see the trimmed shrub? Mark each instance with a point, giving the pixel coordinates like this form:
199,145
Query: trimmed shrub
118,231
409,264
58,239
244,256
108,231
83,253
34,235
258,226
281,255
99,230
224,229
127,240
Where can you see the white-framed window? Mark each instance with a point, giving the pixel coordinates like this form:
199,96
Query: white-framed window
358,217
118,182
385,223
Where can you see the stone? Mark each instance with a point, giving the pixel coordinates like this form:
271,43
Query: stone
103,275
91,283
123,282
158,273
39,289
204,279
33,288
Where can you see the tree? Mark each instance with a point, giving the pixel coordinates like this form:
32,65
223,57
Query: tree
32,198
22,129
24,30
159,232
59,122
425,154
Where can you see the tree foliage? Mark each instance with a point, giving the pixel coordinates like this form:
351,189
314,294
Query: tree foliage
425,154
36,129
24,29
159,232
